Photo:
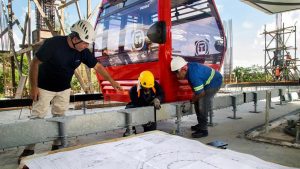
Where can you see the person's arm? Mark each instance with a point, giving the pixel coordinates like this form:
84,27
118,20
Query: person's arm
134,96
159,96
33,78
100,69
159,92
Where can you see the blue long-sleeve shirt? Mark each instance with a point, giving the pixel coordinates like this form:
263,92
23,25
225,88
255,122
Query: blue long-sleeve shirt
202,77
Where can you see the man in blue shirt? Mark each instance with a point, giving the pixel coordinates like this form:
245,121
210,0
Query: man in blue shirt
51,71
205,82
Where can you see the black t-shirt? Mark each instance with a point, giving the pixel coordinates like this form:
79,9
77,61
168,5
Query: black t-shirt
59,62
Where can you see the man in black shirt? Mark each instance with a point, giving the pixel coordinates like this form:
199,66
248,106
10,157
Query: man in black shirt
52,68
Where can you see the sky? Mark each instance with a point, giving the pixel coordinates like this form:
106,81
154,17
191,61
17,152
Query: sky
248,25
20,10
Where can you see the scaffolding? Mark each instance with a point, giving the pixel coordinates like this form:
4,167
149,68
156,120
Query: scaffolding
49,22
280,54
49,10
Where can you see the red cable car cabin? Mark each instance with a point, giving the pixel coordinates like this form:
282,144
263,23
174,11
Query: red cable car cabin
137,35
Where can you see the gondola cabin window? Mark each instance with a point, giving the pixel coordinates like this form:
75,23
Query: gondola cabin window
125,45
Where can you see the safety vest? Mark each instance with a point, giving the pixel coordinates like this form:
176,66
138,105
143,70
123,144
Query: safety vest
212,74
277,71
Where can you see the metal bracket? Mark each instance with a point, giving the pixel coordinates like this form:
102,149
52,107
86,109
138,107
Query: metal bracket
62,136
129,125
255,103
210,121
234,108
270,102
178,120
281,98
84,107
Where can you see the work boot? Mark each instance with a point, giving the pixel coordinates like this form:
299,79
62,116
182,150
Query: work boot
24,154
200,133
195,127
55,147
127,133
150,126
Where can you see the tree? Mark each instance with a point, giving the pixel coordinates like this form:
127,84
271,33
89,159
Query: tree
5,73
254,73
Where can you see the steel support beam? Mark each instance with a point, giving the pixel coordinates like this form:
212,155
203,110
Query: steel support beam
234,102
28,102
42,130
281,97
255,100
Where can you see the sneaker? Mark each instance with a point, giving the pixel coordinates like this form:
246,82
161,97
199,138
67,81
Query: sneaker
195,127
55,147
24,154
200,133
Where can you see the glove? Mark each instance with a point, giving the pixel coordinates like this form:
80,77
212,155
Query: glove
156,103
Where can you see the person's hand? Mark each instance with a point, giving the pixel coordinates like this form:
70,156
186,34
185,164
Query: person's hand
34,93
156,103
116,86
196,97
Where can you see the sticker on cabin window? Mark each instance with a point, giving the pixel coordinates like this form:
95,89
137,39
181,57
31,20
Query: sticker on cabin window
138,39
202,47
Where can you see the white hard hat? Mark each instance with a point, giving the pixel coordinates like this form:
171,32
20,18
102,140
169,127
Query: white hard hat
177,63
85,31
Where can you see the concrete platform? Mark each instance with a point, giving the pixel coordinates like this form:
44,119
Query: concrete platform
228,130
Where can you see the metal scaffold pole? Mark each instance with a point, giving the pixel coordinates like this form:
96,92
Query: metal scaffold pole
280,65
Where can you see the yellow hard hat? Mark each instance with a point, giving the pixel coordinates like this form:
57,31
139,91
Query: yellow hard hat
146,79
